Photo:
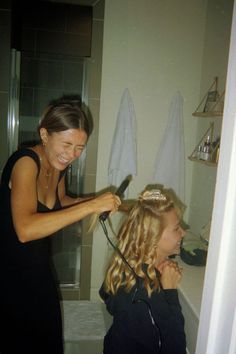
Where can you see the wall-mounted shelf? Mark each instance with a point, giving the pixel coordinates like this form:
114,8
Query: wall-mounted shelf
207,150
212,103
208,163
208,114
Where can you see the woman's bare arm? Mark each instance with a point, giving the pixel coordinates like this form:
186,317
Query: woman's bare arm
32,225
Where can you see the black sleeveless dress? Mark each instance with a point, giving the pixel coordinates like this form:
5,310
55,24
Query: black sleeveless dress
30,314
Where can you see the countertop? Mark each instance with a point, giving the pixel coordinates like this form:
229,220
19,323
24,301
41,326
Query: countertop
191,285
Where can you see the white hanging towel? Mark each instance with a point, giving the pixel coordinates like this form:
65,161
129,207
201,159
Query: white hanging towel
169,167
123,159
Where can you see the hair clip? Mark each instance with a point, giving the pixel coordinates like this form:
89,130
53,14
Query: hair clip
154,194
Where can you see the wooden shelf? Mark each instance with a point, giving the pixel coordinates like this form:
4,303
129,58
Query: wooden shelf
211,106
208,114
212,103
204,162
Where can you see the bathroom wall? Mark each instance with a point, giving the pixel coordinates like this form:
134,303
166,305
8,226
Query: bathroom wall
154,48
162,47
214,63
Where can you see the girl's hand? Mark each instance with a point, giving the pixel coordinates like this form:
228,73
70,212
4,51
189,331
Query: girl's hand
171,274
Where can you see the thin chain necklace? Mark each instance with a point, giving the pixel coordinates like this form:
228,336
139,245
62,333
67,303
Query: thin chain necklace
46,173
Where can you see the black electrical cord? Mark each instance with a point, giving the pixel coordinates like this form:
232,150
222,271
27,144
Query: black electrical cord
117,249
134,301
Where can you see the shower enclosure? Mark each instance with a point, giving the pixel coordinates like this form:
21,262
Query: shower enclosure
28,97
47,66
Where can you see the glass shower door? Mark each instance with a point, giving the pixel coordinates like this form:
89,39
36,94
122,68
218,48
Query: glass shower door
66,244
13,102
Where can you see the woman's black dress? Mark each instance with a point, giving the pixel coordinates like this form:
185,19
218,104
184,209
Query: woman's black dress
30,315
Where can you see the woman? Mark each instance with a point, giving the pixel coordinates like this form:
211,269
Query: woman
140,290
34,205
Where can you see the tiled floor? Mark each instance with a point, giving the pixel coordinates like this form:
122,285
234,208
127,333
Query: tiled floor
84,326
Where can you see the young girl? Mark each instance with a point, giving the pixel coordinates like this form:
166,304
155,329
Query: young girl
140,291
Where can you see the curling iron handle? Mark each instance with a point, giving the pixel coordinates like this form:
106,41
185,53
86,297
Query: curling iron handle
119,193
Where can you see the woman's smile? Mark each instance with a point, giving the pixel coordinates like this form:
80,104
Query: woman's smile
62,148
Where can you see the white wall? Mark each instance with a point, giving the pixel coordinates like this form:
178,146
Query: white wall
154,48
217,329
214,63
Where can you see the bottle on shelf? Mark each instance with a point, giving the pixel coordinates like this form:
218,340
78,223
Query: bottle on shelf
207,150
204,150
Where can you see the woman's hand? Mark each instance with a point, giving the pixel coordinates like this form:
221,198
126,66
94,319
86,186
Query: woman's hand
106,202
171,274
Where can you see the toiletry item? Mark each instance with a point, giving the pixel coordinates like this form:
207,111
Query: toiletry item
206,150
199,151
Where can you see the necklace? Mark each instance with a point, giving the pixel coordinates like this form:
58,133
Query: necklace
46,173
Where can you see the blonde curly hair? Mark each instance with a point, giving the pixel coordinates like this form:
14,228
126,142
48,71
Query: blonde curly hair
137,241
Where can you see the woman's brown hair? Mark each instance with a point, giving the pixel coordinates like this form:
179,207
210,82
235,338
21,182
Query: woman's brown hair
63,114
